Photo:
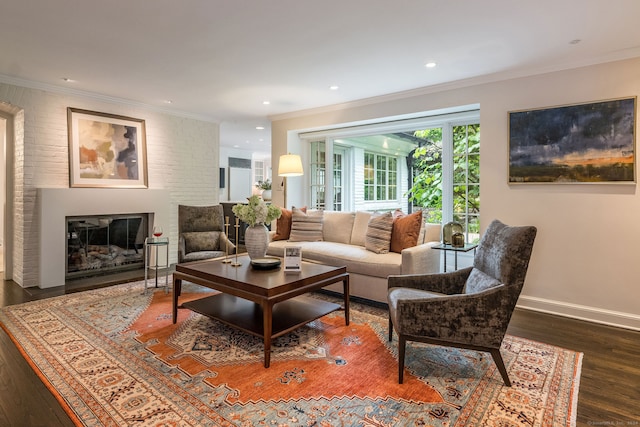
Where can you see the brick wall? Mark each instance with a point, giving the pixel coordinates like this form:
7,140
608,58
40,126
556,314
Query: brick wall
182,158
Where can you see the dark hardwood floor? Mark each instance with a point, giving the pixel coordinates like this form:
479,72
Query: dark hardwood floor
609,386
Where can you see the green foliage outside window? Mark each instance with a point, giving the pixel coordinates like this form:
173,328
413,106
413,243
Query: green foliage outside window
426,191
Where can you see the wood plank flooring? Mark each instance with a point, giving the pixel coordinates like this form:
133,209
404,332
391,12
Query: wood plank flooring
609,387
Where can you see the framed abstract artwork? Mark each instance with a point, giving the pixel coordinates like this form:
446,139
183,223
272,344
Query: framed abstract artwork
106,150
583,143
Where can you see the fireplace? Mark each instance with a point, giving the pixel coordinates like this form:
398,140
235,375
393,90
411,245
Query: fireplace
104,244
58,204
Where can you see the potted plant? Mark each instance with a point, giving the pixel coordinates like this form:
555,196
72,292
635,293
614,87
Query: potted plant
256,213
265,186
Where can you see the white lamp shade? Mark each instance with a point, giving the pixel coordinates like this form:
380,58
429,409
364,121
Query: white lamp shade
290,165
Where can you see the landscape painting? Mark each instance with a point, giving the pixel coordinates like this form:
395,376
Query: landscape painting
584,143
106,150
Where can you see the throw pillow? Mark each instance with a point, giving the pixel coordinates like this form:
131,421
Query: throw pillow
359,231
406,229
306,227
197,241
283,224
378,236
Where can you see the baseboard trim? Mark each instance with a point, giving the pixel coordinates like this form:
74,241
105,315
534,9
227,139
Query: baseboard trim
581,312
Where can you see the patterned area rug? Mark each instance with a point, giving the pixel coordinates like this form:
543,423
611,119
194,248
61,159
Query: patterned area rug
113,357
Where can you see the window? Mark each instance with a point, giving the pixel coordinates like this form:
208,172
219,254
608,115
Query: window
429,163
321,189
466,179
380,177
318,169
258,170
446,179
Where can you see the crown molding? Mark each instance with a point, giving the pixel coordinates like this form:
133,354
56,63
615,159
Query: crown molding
463,83
47,87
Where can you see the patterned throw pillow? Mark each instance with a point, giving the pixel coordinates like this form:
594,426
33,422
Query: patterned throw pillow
306,227
378,236
406,229
283,224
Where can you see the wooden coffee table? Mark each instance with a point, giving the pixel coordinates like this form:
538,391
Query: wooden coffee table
265,303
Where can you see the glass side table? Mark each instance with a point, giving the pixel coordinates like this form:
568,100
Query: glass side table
154,243
445,247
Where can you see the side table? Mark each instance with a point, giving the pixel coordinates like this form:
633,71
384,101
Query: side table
445,247
155,243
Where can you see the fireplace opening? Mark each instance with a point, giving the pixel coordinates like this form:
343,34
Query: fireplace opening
105,244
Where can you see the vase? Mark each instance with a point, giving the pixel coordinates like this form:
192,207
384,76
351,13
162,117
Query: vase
266,195
256,240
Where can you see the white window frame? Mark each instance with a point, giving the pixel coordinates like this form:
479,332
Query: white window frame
446,120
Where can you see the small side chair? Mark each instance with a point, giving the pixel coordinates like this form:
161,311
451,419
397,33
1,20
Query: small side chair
201,233
469,308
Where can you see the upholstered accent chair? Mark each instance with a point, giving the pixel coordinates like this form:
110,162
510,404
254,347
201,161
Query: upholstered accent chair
201,233
469,308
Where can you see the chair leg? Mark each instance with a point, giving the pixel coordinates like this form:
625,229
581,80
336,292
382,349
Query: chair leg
390,329
401,347
497,358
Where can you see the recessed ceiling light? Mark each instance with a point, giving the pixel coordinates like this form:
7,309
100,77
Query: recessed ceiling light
334,87
266,102
168,101
260,127
430,64
68,80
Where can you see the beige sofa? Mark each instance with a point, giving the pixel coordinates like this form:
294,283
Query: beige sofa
344,244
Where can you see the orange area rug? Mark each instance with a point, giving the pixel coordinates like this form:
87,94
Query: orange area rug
114,357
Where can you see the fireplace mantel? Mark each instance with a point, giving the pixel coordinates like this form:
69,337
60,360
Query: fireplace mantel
55,204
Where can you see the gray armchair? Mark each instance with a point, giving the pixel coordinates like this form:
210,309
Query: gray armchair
468,308
201,233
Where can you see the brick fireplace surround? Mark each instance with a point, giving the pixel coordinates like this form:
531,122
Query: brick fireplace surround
56,204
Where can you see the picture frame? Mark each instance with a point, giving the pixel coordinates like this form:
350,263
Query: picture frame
293,259
591,142
106,150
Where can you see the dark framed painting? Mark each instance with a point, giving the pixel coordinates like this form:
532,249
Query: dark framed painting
583,143
106,150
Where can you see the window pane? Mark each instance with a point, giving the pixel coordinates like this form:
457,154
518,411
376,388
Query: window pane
474,138
393,164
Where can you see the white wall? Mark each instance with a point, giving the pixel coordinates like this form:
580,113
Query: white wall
182,156
586,257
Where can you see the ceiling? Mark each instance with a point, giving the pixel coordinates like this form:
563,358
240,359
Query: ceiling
219,60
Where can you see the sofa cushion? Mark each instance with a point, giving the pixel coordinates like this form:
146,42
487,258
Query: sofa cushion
306,227
337,226
202,255
197,241
406,230
479,281
359,231
378,236
283,224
